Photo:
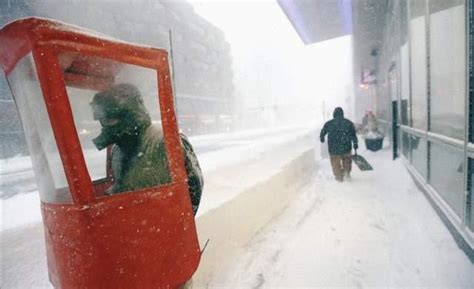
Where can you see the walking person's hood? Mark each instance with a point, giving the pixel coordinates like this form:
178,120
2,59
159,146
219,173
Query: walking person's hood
338,113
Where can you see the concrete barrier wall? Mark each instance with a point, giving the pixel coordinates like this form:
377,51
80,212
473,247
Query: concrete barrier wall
230,226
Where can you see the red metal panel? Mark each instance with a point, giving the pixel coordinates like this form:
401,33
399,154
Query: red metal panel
129,241
170,129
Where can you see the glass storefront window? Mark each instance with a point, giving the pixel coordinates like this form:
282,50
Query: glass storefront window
418,64
471,122
471,118
418,149
447,67
406,145
446,175
470,178
405,86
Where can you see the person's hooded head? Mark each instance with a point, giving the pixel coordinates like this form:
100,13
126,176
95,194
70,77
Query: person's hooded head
121,113
338,113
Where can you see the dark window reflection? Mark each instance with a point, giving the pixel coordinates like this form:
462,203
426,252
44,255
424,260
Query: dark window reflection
419,155
471,122
470,205
404,112
406,145
471,193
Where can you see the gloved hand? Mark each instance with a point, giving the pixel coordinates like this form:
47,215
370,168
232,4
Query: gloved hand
321,139
356,146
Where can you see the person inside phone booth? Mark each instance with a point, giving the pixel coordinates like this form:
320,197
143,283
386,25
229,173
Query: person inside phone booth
138,155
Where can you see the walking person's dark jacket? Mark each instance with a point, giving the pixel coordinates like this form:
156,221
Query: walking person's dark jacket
341,134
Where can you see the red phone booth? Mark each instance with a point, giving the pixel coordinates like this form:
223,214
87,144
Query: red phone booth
142,239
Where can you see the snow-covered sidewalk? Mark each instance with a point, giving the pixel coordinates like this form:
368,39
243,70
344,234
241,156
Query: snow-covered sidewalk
377,231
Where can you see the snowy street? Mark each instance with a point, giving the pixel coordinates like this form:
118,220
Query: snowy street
18,176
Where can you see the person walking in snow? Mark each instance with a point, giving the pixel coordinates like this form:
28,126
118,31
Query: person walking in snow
341,138
138,151
369,122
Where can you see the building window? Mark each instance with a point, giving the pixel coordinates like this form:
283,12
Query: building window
418,64
405,86
419,155
470,177
406,145
446,175
447,67
471,78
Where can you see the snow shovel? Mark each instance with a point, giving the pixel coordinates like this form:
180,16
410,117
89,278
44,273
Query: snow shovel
361,162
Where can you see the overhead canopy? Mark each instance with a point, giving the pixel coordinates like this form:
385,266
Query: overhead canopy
319,20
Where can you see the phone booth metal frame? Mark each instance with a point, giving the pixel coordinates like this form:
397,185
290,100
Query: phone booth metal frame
138,240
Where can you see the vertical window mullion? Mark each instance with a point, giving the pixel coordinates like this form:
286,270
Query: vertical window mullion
468,114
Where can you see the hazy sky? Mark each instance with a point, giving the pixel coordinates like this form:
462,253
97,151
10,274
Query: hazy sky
272,66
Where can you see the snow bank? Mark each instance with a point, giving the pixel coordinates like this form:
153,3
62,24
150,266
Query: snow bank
231,225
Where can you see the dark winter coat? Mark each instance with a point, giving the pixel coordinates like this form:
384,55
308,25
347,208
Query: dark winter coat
341,133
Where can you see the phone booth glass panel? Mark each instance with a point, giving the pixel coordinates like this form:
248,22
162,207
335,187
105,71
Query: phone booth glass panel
85,76
49,171
87,129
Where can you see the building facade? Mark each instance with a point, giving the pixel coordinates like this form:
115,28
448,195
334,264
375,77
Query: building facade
201,58
413,68
425,76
